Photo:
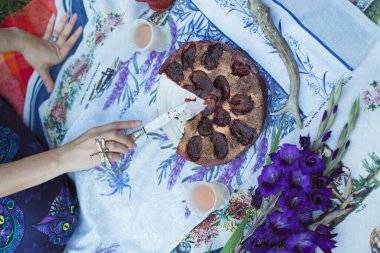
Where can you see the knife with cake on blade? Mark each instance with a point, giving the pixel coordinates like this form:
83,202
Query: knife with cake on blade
181,112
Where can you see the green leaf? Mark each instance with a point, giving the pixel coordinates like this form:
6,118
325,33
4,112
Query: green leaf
237,234
209,249
276,141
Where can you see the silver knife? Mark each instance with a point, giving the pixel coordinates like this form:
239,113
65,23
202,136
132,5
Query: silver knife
184,111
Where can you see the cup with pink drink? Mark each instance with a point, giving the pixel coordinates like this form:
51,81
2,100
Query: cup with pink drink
204,197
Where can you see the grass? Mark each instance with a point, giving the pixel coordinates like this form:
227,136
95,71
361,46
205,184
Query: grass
9,7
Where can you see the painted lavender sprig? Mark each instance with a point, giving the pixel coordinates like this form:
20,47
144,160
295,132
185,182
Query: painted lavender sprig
328,117
176,171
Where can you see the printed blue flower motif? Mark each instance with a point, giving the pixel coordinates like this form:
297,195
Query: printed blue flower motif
61,220
261,155
110,249
202,173
12,226
122,77
232,170
187,212
176,171
117,176
9,144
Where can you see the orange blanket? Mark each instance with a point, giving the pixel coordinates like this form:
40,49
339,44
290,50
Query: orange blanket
14,70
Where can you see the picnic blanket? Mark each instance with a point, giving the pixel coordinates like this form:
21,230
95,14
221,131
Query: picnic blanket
138,205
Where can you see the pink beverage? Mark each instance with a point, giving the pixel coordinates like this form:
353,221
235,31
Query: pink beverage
206,197
203,197
143,35
146,36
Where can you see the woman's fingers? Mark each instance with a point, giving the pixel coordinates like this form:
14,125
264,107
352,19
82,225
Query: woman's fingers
68,44
116,147
67,30
59,28
49,28
118,125
115,157
46,78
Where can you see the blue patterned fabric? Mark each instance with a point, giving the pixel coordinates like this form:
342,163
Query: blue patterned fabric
39,219
39,94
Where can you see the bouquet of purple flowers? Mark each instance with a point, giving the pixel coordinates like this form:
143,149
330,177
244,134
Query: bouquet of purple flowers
296,204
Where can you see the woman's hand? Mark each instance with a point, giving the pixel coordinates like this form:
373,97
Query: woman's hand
42,54
75,155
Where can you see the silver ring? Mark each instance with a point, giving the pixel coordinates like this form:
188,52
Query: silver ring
53,38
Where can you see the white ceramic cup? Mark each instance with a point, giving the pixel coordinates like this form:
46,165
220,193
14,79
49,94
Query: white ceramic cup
204,197
145,35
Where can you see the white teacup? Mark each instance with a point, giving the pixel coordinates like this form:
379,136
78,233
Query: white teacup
145,35
204,197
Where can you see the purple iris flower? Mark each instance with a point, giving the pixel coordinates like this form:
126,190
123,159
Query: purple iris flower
271,180
304,141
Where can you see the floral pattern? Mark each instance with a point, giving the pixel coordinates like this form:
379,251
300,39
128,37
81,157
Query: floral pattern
371,96
9,144
116,177
211,227
317,83
72,79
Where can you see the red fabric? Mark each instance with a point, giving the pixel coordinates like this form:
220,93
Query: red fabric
14,70
158,5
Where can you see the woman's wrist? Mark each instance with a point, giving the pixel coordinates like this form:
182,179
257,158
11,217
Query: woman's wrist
62,156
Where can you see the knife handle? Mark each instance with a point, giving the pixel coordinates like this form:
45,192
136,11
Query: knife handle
137,134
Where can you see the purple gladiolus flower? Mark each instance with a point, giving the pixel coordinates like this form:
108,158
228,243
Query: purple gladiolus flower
347,144
309,241
279,226
324,116
270,180
320,182
311,163
320,200
257,199
335,109
286,156
292,200
304,141
297,179
326,136
335,154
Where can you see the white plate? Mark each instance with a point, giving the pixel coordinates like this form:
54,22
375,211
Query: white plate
169,95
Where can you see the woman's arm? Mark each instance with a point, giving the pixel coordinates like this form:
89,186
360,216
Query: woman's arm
43,53
74,156
11,40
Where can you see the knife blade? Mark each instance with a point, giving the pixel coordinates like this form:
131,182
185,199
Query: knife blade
181,112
